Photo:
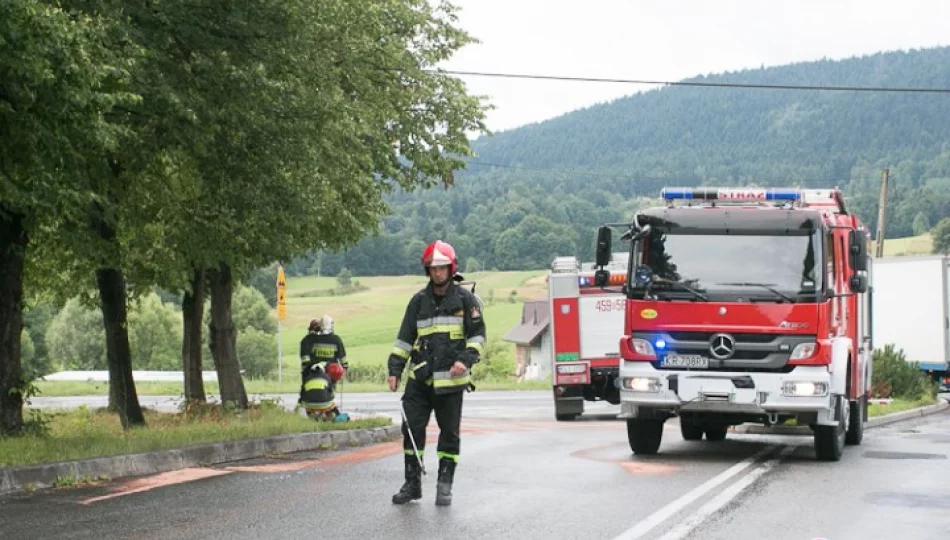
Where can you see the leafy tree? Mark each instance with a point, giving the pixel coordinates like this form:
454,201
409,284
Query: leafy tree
36,321
57,81
941,236
344,278
265,281
257,352
250,311
921,223
155,334
28,355
76,338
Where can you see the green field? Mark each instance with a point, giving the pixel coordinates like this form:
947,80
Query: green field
367,321
912,245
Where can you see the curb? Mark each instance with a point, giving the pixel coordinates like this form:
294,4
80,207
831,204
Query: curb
19,479
877,421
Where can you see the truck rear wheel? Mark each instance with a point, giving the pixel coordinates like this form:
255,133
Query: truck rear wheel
644,435
690,431
829,440
857,419
565,417
716,433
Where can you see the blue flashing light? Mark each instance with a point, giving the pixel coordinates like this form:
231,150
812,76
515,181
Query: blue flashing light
731,194
660,344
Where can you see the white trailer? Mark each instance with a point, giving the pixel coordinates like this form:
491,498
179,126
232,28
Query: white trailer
910,307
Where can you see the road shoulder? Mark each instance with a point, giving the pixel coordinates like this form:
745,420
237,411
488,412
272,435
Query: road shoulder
21,479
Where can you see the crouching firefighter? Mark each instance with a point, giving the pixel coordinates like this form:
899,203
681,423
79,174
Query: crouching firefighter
441,336
318,395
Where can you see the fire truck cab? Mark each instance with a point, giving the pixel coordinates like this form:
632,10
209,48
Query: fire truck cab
744,305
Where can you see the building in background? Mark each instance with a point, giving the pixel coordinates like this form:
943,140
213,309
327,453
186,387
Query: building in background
532,340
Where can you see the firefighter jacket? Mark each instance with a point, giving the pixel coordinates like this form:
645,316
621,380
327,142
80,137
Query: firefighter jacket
435,334
321,349
318,390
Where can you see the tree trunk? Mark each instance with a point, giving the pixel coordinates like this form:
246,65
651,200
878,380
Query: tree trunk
192,311
113,300
224,338
13,242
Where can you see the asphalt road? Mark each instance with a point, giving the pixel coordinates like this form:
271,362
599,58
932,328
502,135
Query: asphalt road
525,476
478,404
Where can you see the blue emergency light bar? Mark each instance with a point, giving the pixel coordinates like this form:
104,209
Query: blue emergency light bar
731,194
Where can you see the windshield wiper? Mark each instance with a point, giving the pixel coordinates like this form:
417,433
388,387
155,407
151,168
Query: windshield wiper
766,286
684,287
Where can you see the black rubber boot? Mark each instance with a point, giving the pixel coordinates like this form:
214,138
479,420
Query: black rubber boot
412,489
443,494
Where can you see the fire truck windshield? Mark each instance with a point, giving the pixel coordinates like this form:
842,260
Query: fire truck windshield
778,268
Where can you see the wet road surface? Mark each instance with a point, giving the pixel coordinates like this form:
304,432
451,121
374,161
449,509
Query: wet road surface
527,477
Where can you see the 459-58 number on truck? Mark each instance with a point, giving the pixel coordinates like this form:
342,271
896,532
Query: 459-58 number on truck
610,305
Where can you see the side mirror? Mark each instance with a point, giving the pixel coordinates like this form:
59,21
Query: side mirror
858,248
604,239
858,283
601,278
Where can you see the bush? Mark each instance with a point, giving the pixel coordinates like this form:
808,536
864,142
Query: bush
894,377
155,334
496,363
376,373
257,353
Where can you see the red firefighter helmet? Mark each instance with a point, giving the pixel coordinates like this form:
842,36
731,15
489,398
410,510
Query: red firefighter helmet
440,253
314,325
335,371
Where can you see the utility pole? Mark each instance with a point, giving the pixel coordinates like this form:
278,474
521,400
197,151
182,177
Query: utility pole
881,216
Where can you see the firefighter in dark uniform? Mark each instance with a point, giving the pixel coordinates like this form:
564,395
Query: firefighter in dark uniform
441,337
319,348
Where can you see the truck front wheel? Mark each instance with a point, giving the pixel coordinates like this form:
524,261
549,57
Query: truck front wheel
644,435
829,440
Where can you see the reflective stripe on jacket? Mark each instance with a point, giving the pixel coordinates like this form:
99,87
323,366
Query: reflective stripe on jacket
433,337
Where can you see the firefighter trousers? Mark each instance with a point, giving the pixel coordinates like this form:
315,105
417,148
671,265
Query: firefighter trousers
419,400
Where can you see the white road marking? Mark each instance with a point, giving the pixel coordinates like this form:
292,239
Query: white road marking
646,525
733,491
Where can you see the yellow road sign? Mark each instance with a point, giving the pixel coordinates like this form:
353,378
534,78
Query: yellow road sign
281,279
281,296
281,312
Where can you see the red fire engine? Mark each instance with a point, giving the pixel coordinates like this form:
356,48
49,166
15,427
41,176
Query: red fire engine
586,322
744,305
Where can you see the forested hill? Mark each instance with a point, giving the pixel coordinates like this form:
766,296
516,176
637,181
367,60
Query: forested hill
538,191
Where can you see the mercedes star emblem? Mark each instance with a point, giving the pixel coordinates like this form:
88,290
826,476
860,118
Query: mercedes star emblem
722,346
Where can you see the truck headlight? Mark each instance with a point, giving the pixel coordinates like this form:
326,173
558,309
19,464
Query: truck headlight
804,350
642,347
642,384
804,389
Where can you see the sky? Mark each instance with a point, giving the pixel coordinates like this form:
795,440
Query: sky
666,40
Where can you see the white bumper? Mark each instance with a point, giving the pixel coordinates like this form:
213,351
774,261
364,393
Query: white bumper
716,392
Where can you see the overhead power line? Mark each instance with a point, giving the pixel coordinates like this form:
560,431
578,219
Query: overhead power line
914,90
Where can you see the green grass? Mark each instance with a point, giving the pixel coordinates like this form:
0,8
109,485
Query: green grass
898,405
85,433
290,385
911,245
